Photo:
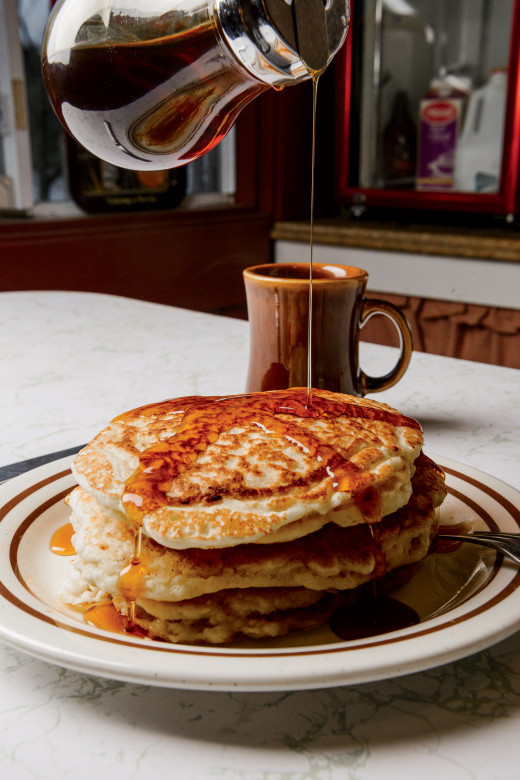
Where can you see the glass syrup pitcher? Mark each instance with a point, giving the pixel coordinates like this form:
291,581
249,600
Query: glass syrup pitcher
154,84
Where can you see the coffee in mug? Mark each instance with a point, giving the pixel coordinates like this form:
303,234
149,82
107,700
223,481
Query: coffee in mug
278,302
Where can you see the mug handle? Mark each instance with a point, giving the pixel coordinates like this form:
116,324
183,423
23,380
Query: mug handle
374,384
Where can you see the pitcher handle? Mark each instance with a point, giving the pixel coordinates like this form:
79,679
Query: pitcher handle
374,384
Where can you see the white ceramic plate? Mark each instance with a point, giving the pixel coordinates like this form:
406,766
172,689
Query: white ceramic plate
467,600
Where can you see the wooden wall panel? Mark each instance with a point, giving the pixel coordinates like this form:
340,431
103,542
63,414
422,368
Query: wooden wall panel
461,330
192,259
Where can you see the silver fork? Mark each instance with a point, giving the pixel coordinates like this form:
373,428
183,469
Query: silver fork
502,541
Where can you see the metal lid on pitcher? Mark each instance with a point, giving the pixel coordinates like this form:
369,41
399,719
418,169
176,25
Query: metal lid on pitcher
282,41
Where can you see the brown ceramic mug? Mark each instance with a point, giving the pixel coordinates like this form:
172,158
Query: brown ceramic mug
278,305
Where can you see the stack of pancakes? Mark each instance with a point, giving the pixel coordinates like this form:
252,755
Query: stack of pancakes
255,514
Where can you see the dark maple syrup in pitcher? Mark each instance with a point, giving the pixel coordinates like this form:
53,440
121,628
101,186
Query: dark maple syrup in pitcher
149,103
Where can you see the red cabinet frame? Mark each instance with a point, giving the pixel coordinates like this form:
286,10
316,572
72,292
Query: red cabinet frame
506,202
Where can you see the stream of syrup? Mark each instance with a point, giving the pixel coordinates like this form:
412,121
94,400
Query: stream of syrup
315,80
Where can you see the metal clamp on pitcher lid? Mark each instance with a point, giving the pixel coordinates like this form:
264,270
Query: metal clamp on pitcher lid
282,41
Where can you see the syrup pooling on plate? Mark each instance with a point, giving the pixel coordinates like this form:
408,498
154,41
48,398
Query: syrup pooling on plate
61,540
106,617
380,616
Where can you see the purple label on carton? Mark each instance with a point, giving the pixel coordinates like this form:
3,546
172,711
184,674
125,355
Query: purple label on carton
438,132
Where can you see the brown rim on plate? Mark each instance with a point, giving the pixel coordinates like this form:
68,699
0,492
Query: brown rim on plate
28,520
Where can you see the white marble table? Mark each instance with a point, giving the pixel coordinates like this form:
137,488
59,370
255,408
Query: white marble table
68,363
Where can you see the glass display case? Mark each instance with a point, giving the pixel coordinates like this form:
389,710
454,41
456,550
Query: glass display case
429,106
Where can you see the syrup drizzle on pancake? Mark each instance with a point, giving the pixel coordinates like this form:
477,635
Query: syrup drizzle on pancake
131,578
204,419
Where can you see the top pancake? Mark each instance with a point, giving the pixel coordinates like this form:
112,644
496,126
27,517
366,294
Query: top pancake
265,467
